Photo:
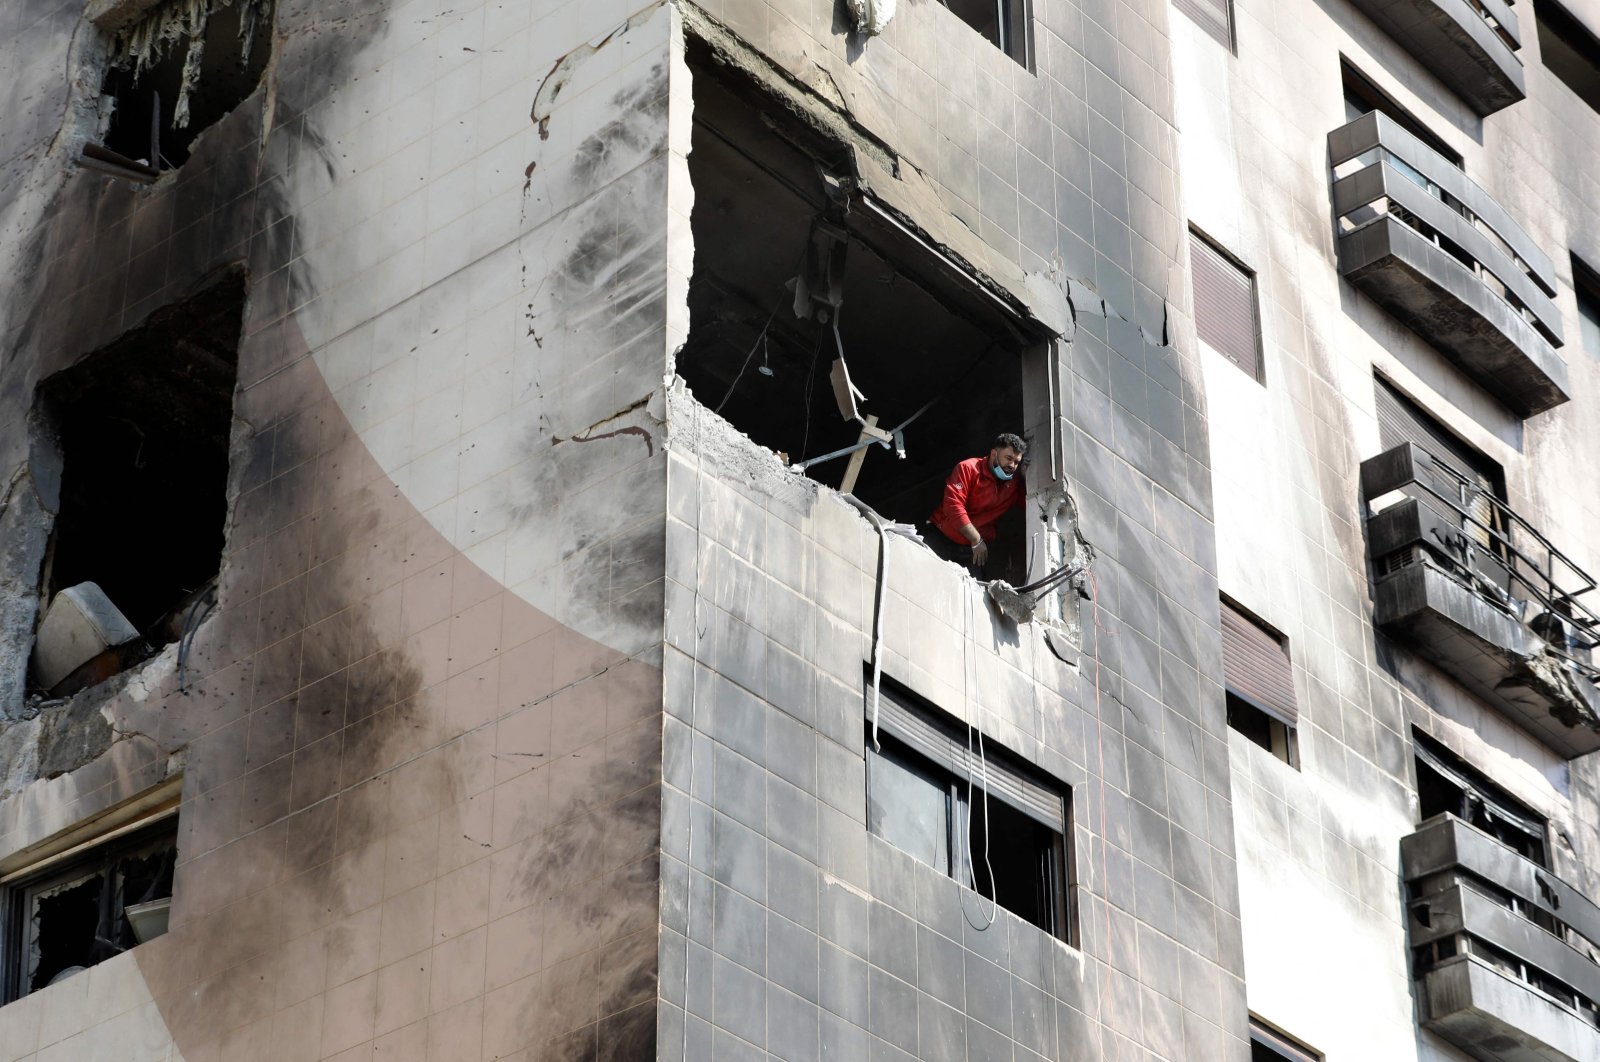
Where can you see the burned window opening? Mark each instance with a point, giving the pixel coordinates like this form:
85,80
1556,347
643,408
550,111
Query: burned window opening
174,73
74,914
1446,783
792,276
144,428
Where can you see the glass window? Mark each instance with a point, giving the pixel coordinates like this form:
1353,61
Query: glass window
75,913
985,839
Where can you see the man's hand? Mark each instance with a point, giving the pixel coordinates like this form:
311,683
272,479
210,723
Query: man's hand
980,548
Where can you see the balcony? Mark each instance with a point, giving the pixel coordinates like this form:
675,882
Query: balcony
1503,950
1483,594
1470,45
1436,251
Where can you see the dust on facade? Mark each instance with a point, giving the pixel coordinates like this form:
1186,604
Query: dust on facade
465,562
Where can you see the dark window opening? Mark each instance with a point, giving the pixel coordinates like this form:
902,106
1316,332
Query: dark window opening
1446,783
972,811
1269,1045
1213,16
1258,684
1268,731
1569,50
1586,285
71,915
1362,96
1225,316
794,275
143,427
169,79
1004,23
1464,483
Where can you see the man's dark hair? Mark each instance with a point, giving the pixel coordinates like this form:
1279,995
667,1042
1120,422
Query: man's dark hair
1016,442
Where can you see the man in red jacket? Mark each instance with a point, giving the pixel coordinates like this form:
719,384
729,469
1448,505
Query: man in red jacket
978,492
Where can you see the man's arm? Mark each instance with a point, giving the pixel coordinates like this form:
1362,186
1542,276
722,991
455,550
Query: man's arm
955,498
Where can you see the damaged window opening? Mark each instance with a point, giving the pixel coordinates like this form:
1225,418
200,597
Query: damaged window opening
143,428
1006,24
818,322
1445,783
65,917
970,810
174,72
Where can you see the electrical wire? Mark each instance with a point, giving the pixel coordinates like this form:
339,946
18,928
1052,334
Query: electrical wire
1100,744
748,358
966,832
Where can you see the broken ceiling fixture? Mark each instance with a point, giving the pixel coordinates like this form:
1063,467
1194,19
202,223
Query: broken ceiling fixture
819,286
172,73
872,16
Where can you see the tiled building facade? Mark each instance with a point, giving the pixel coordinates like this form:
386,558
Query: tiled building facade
495,683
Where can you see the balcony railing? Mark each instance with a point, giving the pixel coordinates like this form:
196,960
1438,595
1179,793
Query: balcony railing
1470,45
1485,594
1440,254
1504,952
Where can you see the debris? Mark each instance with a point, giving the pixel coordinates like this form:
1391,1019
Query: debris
80,625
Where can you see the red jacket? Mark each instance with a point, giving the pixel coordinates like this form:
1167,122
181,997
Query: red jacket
973,495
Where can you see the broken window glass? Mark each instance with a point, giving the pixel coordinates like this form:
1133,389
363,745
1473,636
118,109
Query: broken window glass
818,323
967,810
1445,783
174,72
74,914
144,429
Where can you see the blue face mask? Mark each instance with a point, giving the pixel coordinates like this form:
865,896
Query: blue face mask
999,473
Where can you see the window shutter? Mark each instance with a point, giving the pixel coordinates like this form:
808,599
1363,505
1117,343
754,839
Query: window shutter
911,724
1213,16
1225,306
1255,666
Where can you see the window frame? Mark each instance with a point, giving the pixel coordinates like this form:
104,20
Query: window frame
1586,294
1199,240
1555,23
1372,97
1203,14
103,853
1279,1043
1009,15
1282,714
1013,782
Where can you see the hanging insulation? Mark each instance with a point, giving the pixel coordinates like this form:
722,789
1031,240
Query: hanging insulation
148,41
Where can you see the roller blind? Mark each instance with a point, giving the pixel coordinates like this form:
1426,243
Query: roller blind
1224,306
945,745
1213,16
1255,666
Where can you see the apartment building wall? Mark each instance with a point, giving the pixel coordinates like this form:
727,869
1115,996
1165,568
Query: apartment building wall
419,736
478,536
1320,888
805,932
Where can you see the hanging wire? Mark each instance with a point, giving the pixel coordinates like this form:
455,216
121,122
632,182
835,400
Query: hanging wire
761,341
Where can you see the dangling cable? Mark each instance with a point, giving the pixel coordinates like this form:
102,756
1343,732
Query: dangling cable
966,831
1100,744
